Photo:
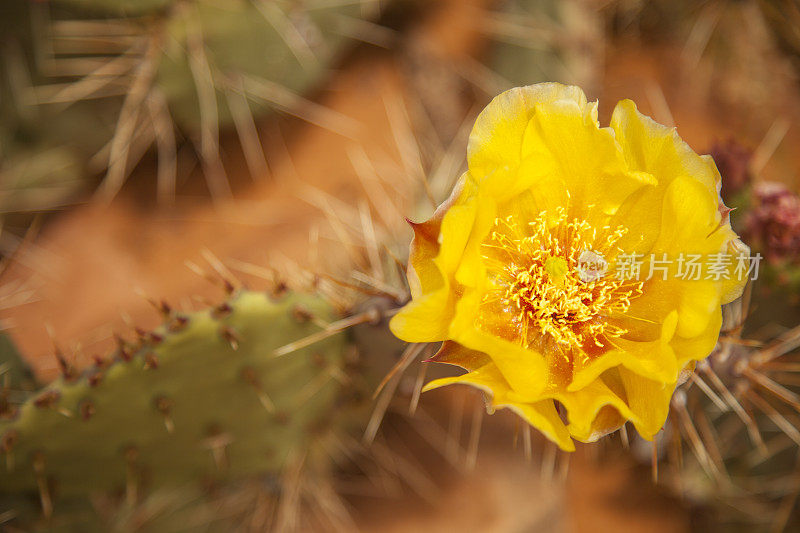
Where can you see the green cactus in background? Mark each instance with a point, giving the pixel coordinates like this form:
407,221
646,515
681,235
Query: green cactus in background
131,76
242,389
537,41
14,371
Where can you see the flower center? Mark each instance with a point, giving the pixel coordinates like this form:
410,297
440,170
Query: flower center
550,277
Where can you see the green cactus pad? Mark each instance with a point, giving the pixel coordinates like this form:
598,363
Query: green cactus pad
201,398
186,69
14,372
242,39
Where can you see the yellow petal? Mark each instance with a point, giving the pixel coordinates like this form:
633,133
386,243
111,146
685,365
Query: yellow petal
525,369
596,185
453,353
698,347
649,400
454,234
584,407
640,214
654,359
427,317
471,270
497,137
542,415
423,275
486,378
734,285
657,149
690,220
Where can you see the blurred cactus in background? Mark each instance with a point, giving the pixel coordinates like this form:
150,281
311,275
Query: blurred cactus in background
772,225
733,162
773,222
131,76
255,386
538,41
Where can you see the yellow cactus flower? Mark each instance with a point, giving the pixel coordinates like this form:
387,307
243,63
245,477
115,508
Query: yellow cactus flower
556,272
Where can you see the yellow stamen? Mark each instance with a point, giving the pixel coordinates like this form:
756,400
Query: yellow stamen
556,268
536,275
